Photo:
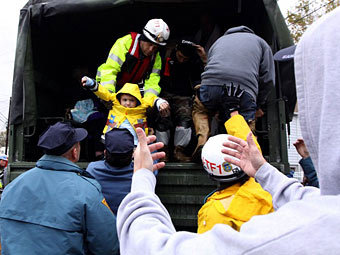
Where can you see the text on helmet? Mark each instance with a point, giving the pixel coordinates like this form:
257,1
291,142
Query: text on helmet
225,166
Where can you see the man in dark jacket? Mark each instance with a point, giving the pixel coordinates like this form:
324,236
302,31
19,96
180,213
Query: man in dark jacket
180,74
57,207
241,58
114,174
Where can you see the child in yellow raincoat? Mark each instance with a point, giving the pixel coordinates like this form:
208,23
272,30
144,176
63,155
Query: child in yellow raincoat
128,106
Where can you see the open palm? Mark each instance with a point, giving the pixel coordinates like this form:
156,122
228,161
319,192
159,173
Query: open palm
250,158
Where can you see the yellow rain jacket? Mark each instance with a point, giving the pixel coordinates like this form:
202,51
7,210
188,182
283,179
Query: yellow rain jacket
136,116
238,203
120,53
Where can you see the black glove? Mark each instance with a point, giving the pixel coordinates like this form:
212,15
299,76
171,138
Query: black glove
231,98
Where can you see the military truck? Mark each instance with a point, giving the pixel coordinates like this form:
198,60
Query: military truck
56,36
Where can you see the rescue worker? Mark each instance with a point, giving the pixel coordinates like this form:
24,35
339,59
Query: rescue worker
180,74
57,207
238,197
238,57
134,58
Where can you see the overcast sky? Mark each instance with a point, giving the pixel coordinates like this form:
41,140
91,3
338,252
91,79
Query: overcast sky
9,18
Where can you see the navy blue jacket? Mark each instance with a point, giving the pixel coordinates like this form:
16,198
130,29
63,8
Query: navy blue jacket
54,209
115,182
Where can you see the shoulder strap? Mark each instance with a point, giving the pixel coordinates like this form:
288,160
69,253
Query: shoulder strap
134,47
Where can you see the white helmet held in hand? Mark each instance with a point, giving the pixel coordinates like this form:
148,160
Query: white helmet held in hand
157,31
214,163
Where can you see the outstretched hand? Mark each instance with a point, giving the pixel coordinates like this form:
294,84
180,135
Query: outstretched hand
143,157
250,158
301,148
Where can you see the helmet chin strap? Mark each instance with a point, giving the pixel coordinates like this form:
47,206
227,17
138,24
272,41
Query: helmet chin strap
157,38
228,178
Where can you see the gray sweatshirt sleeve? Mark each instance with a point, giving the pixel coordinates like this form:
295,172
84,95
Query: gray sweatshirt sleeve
266,76
282,188
144,227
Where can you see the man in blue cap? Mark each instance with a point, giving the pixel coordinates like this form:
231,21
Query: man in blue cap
57,207
114,173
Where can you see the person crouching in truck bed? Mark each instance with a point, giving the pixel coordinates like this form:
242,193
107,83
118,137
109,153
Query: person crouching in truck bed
180,74
134,58
57,207
128,106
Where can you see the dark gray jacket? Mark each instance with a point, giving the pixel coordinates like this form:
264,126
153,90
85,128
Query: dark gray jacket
242,57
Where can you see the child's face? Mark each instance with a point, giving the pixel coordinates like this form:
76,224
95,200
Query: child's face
128,101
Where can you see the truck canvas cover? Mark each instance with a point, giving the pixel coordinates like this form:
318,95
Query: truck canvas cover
56,36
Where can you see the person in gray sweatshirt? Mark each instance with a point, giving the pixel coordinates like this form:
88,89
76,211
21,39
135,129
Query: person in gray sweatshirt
306,219
241,58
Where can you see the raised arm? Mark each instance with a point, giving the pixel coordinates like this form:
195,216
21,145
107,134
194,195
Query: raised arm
144,225
251,161
99,90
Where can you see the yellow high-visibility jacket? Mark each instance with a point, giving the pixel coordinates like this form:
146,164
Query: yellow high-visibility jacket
136,116
125,52
238,203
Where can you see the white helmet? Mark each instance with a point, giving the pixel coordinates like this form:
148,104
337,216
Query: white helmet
214,163
157,31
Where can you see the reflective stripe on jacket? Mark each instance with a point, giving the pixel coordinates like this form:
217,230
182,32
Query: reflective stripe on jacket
136,116
125,65
236,204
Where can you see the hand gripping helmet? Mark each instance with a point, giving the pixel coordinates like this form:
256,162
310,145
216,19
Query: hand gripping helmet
214,163
157,31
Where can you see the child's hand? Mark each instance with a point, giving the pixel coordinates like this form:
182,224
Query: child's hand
89,83
164,109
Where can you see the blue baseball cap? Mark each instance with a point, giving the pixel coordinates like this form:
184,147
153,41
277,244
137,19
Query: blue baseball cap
60,137
119,140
